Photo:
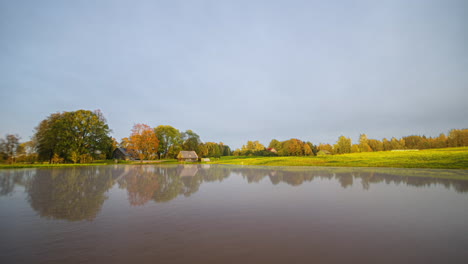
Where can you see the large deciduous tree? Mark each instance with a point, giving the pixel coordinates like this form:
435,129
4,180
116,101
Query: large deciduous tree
69,135
170,141
143,142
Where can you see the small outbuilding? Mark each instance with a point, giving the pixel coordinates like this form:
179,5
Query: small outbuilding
323,152
121,154
187,156
272,150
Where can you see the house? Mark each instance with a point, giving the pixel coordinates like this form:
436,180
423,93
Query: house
187,156
121,154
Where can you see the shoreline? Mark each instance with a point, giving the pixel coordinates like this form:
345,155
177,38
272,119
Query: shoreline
446,158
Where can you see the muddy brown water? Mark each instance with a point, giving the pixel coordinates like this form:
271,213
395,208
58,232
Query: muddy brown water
232,214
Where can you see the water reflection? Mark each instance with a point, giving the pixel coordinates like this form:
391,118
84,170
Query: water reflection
347,177
72,194
10,178
162,184
76,194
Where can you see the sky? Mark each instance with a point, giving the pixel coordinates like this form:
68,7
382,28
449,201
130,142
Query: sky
234,71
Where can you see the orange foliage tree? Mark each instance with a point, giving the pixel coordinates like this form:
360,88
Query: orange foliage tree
143,142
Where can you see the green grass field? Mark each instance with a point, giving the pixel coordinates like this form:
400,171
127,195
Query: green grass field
447,158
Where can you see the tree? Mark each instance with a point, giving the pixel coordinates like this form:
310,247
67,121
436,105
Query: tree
307,150
170,141
46,136
191,141
213,149
252,147
292,147
458,138
343,145
375,144
143,142
68,134
225,149
124,142
397,144
202,150
440,141
9,147
386,144
312,147
364,143
414,142
275,144
26,152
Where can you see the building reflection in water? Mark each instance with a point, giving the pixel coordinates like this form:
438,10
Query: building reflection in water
77,194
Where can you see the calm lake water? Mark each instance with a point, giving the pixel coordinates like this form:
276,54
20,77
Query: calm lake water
232,214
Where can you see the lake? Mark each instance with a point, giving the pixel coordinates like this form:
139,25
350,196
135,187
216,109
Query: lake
232,214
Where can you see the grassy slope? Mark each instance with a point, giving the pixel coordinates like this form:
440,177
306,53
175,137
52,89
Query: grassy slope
447,158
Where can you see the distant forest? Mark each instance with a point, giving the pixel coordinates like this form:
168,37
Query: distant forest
297,147
83,136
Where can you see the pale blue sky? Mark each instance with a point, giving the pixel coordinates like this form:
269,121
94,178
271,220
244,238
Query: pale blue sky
234,71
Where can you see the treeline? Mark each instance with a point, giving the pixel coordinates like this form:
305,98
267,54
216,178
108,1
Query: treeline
297,147
291,147
83,136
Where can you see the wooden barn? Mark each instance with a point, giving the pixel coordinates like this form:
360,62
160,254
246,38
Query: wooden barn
187,156
121,154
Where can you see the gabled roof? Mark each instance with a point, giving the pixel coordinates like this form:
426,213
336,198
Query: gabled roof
124,151
187,155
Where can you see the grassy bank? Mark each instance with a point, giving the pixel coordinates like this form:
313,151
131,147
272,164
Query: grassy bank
97,163
447,158
44,165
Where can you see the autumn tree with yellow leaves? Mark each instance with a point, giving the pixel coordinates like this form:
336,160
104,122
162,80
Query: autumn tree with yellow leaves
143,142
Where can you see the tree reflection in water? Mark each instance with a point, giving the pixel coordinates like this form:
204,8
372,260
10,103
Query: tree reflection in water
10,178
72,194
164,183
347,176
76,194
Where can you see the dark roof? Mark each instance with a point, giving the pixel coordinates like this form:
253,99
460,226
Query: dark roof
187,155
123,150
